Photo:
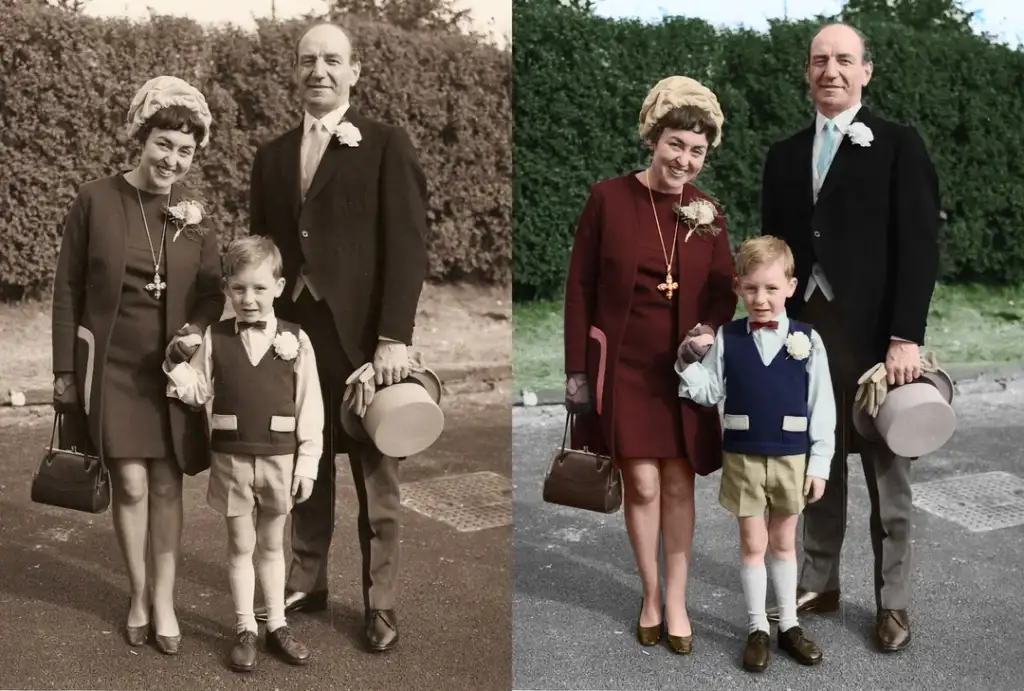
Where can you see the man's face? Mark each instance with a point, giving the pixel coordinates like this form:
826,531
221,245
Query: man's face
325,72
836,71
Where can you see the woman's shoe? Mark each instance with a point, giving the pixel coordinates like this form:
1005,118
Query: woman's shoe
137,635
168,645
647,635
680,645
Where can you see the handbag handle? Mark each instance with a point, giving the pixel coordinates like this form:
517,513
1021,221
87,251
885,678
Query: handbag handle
57,417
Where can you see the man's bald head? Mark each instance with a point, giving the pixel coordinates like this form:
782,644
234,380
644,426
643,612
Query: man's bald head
326,68
838,68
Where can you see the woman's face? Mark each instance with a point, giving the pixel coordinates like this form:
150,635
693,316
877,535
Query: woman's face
679,156
167,156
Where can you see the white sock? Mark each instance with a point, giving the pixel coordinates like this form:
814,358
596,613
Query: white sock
784,580
272,577
243,590
755,591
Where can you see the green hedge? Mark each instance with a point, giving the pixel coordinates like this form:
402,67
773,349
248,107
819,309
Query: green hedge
579,81
66,81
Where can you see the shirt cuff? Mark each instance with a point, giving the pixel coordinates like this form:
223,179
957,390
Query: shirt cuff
693,378
306,466
181,375
818,466
900,340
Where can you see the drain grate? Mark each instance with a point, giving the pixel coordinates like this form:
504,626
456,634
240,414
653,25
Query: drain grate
470,502
982,502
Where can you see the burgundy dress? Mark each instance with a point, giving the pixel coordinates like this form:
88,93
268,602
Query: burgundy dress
649,423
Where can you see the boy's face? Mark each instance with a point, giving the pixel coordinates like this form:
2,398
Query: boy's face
764,290
252,291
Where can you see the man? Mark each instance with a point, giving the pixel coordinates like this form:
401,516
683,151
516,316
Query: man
856,197
345,198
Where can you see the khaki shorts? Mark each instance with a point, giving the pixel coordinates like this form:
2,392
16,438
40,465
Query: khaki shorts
752,483
238,482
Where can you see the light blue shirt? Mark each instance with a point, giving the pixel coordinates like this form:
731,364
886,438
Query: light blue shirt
704,384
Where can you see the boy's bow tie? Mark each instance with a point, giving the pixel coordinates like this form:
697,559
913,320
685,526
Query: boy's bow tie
261,325
764,325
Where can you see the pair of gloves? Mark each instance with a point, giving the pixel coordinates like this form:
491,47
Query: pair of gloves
391,364
872,387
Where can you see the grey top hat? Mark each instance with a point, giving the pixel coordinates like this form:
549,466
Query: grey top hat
915,419
403,419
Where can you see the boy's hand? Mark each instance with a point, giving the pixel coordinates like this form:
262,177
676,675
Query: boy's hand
302,487
814,487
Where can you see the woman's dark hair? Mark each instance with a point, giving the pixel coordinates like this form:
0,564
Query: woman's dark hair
177,118
688,118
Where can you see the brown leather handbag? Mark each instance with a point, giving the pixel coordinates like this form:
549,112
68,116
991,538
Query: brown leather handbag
582,480
70,479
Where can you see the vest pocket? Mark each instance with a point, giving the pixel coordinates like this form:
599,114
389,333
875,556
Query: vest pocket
281,423
736,422
792,423
224,422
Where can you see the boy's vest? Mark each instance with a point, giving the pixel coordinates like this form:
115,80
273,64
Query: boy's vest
772,398
261,398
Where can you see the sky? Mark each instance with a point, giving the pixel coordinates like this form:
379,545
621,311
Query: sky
492,17
1004,18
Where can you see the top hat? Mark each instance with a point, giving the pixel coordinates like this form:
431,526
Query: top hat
915,419
403,419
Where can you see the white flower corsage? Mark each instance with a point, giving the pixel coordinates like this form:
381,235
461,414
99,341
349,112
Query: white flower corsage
699,216
347,134
798,345
286,346
186,214
860,134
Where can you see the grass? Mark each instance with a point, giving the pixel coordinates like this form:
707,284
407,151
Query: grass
966,324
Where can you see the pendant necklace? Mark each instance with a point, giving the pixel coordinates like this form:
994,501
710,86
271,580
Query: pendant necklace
669,286
156,286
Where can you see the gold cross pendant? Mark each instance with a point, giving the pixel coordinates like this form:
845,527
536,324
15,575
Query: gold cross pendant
669,286
156,287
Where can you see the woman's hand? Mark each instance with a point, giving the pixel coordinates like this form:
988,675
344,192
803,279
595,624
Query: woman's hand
65,394
184,344
696,344
577,394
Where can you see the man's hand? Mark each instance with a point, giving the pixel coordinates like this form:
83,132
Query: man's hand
390,363
302,487
902,362
65,394
814,487
184,344
577,394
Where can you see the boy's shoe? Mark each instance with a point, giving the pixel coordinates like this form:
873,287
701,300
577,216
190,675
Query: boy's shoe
243,655
795,643
282,642
756,653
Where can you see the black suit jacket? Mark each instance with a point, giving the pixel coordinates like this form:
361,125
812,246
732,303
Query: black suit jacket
874,229
361,231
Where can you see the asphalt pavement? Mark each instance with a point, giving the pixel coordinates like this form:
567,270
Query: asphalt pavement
63,589
577,594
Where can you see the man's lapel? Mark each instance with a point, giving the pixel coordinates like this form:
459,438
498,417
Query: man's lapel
842,160
291,181
339,156
804,179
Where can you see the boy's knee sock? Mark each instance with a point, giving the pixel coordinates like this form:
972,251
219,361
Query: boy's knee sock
755,590
243,589
272,577
784,580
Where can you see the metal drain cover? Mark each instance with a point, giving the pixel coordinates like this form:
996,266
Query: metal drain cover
986,501
470,502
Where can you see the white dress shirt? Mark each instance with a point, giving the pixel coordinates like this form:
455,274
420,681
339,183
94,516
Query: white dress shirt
704,383
192,383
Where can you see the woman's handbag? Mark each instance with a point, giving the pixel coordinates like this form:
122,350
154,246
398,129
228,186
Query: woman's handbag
70,479
582,480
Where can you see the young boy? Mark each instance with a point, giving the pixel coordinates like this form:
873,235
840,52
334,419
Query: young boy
257,377
779,427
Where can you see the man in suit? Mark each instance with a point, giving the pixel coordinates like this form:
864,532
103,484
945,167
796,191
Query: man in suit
857,199
345,198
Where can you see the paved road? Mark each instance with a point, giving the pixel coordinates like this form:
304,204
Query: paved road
577,596
63,593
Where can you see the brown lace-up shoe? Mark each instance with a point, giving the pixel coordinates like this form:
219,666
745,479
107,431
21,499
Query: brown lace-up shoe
795,643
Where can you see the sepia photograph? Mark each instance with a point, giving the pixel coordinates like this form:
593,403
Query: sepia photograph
255,317
768,345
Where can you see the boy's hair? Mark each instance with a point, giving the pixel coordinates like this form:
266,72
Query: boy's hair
252,250
764,249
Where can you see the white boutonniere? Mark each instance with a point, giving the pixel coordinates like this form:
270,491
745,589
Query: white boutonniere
699,216
187,215
860,134
286,346
347,134
798,345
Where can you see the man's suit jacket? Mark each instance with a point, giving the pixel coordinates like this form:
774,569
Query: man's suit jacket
361,231
874,229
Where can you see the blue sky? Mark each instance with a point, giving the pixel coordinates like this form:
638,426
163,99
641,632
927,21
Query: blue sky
1004,18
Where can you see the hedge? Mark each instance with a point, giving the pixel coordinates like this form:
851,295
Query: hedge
579,80
66,81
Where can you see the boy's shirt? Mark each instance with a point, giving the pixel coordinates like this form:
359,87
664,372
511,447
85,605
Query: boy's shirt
704,383
191,382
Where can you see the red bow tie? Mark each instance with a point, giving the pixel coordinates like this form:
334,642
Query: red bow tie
763,325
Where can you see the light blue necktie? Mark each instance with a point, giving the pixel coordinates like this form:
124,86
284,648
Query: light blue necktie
828,141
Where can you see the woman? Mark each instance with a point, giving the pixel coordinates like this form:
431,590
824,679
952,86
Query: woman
650,262
136,267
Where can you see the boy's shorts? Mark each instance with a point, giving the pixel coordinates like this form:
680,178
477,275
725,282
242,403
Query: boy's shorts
752,483
238,482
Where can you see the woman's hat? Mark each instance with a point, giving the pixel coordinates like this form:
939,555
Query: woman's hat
403,419
163,92
675,92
